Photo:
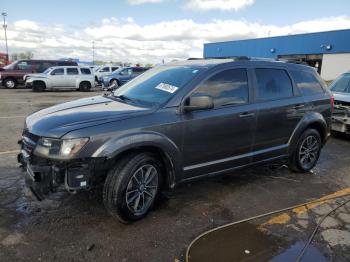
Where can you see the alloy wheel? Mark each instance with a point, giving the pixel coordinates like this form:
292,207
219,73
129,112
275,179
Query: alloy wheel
308,151
142,189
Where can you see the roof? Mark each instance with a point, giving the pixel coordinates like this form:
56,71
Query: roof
241,61
302,44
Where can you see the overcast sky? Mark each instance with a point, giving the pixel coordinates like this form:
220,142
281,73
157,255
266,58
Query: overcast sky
148,31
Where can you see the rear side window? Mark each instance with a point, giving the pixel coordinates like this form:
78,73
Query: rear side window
43,65
229,87
85,71
114,68
307,83
137,71
72,71
273,84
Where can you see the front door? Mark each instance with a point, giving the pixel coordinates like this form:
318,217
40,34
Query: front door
220,138
57,77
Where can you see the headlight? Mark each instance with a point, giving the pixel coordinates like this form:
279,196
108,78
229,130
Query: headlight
59,148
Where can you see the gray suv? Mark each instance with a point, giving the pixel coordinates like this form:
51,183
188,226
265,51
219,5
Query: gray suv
175,123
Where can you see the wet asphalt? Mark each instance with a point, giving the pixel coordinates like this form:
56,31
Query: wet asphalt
77,227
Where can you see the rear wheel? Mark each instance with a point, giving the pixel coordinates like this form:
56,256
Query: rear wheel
307,151
132,187
85,86
10,83
38,86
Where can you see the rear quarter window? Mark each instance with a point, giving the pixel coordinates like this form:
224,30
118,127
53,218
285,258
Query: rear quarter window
306,82
85,71
273,84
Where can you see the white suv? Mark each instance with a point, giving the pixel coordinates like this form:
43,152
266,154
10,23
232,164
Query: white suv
104,71
67,77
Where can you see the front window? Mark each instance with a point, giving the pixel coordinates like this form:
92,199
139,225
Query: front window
11,66
229,87
158,85
341,84
47,71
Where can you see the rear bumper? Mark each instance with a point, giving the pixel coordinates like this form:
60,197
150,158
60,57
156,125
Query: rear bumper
341,119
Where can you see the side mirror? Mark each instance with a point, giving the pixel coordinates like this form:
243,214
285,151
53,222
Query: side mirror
198,102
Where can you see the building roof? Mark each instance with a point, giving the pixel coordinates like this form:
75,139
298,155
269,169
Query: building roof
302,44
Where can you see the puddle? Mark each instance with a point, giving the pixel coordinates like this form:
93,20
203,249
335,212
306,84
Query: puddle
244,242
291,253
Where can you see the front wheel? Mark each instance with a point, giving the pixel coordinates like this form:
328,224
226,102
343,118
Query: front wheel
10,83
307,151
132,187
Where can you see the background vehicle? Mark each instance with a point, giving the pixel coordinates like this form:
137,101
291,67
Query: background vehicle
12,75
341,114
71,77
104,70
176,123
122,75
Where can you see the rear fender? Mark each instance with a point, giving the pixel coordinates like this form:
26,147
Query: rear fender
313,119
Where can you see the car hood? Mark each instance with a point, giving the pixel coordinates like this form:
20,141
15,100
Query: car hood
60,119
36,75
343,97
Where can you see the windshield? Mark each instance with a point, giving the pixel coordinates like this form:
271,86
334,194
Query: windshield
11,66
158,85
47,71
341,84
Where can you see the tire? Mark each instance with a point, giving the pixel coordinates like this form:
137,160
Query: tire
84,86
307,151
126,195
10,83
38,86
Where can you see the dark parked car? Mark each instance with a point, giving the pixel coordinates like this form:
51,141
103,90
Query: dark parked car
121,76
13,74
176,123
340,88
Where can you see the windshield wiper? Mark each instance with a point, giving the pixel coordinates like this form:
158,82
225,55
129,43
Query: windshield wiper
124,98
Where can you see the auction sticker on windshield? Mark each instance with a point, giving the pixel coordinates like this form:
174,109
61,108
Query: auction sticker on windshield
167,88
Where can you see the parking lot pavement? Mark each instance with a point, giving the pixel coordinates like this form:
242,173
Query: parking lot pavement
77,227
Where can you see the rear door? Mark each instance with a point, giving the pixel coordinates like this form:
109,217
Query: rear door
280,108
71,77
126,75
220,138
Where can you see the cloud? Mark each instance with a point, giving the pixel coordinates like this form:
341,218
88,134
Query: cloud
140,2
224,5
126,40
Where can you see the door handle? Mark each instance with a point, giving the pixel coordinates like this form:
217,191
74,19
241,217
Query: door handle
246,114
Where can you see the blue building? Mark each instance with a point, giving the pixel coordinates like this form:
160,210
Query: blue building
328,51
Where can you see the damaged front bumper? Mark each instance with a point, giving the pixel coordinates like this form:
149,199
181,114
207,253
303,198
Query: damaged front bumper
44,176
341,119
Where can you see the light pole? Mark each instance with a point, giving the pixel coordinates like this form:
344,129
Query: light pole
93,52
4,14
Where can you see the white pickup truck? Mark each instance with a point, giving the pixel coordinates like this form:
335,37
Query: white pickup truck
61,77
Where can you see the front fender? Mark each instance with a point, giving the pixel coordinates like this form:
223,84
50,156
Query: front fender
116,146
312,118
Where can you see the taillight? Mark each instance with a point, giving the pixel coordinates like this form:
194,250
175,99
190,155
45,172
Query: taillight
332,102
